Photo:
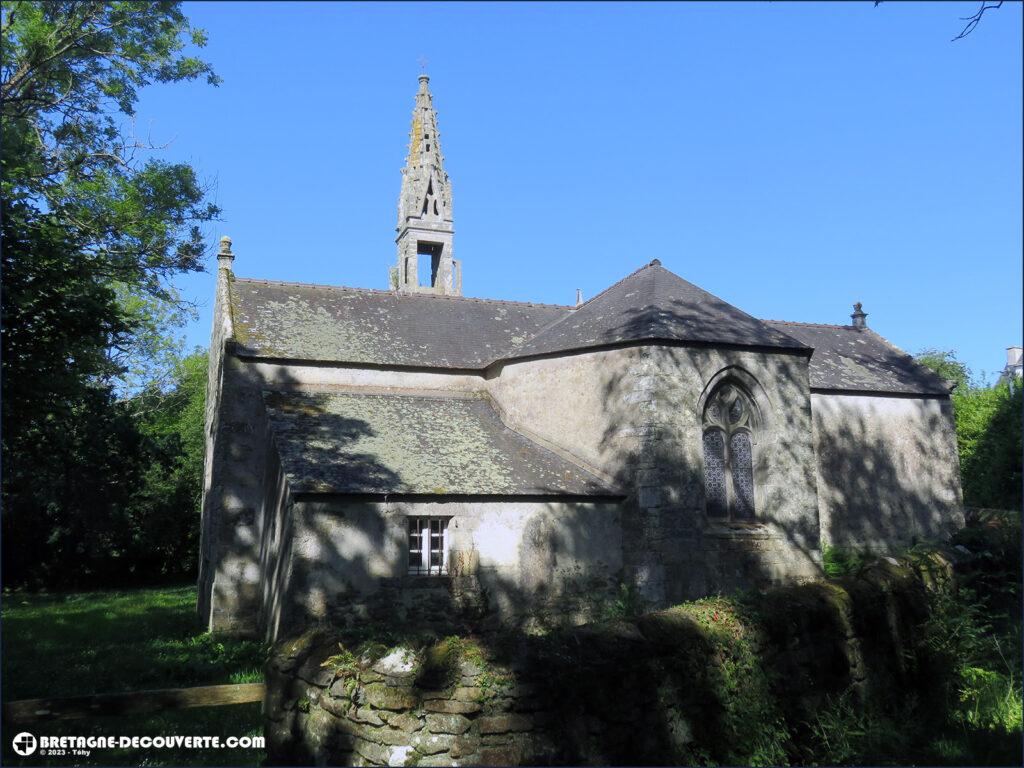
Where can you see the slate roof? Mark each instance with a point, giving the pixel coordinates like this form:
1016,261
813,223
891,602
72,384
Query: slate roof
849,358
653,303
316,322
334,324
336,442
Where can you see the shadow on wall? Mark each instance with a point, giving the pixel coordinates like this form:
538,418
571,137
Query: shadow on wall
278,547
720,681
888,471
349,547
348,567
664,464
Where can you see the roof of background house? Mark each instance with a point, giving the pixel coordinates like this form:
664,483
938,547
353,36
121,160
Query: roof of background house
334,442
849,358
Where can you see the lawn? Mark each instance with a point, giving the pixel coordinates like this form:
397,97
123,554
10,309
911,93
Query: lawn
105,642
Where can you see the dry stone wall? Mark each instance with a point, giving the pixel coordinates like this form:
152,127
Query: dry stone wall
716,680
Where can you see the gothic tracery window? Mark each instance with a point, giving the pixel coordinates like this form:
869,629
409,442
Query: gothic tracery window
728,454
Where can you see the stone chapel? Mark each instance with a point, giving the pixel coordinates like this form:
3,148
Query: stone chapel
405,453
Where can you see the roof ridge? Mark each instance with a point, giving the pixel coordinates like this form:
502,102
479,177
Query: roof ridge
716,297
596,296
904,354
812,325
557,320
398,293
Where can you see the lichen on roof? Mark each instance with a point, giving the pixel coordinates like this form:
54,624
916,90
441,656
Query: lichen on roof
853,359
325,323
332,442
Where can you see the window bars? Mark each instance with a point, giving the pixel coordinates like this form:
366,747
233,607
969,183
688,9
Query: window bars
428,546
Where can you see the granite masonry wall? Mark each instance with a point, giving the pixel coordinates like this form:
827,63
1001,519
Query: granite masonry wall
634,414
701,682
511,562
885,474
888,470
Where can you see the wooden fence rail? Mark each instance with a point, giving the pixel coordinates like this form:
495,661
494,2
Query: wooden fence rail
132,703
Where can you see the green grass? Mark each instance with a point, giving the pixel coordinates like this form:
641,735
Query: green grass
107,642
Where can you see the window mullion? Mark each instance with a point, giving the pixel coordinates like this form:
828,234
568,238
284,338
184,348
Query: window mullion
730,491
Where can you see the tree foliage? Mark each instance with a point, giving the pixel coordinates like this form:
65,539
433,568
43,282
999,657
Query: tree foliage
71,73
988,432
93,231
163,511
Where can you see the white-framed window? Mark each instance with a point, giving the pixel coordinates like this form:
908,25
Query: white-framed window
428,546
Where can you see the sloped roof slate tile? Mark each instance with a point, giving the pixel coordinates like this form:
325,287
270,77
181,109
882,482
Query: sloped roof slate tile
853,359
334,442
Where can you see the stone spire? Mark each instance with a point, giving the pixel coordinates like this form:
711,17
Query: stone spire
425,230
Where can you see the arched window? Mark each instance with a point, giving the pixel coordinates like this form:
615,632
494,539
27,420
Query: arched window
728,454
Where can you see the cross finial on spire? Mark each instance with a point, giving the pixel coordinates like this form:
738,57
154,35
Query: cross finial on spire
423,61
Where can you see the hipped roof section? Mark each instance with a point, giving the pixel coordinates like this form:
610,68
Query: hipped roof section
375,444
847,358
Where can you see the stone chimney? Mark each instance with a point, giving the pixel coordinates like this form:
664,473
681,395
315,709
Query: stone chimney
859,316
579,296
225,257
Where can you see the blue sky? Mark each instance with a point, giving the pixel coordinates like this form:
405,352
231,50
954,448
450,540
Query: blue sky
791,158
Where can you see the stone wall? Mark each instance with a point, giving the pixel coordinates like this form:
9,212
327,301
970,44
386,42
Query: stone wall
528,560
234,483
245,533
716,681
634,414
888,470
885,474
684,553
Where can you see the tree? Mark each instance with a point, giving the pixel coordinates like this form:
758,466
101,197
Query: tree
92,234
164,510
70,71
988,434
973,20
947,366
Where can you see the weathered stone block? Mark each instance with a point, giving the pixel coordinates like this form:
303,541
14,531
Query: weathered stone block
449,707
364,715
468,694
404,721
388,736
504,723
383,696
464,745
337,707
375,753
455,724
400,663
432,744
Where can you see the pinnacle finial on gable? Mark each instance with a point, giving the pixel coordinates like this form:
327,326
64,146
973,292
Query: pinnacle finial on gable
860,317
225,255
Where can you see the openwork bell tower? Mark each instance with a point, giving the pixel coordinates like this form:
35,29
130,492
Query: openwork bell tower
425,230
